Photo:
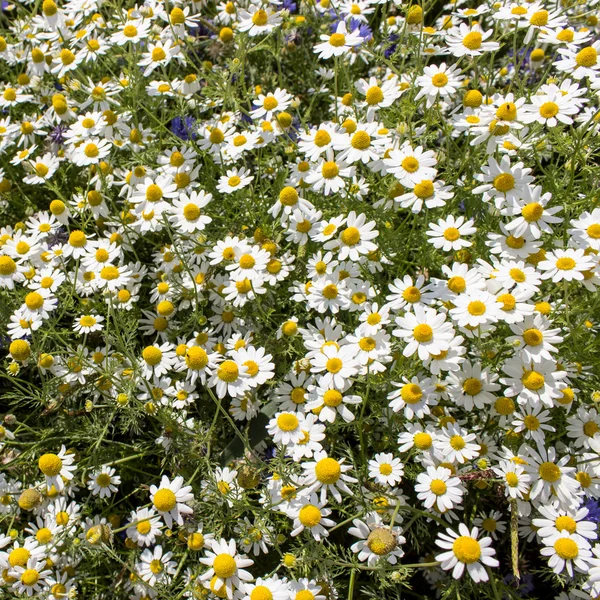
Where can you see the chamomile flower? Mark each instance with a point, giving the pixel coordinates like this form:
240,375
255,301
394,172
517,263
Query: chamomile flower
104,482
187,214
438,489
30,578
376,540
567,551
235,179
426,332
413,397
144,526
550,476
169,499
328,475
455,444
338,43
386,469
410,166
566,265
466,40
88,324
258,20
464,549
57,468
308,513
355,238
156,566
438,83
448,234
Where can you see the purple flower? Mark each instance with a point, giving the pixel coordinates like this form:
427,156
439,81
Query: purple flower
57,134
523,586
290,5
594,507
184,128
363,29
392,46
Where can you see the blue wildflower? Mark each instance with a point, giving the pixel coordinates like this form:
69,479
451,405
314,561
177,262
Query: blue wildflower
184,128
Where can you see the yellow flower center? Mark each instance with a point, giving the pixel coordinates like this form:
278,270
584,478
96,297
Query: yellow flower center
533,337
287,422
586,57
34,301
130,31
549,472
507,112
144,527
594,231
381,541
424,189
77,239
565,264
410,164
18,557
457,442
228,371
374,95
247,261
261,592
270,103
361,140
66,56
422,440
50,465
549,110
153,193
411,393
438,487
309,515
288,196
332,398
196,358
152,355
533,380
457,284
87,321
330,170
30,577
224,565
191,211
7,265
451,234
466,549
330,291
43,535
472,386
439,80
298,395
472,40
504,182
260,18
566,523
158,54
109,273
531,422
334,365
328,470
423,333
476,308
566,548
165,500
322,137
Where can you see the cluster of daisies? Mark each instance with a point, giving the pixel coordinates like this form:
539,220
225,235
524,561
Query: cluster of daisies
299,299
